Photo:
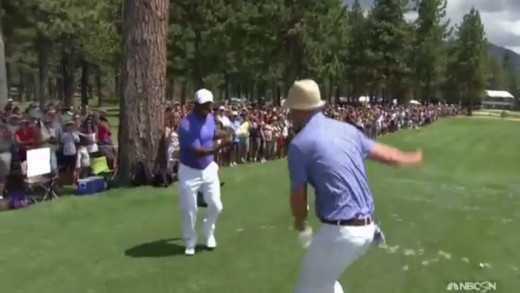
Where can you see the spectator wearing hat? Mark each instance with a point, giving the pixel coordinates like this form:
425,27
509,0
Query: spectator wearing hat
235,126
49,138
69,141
26,136
329,155
255,135
223,118
268,136
88,145
105,143
172,141
243,137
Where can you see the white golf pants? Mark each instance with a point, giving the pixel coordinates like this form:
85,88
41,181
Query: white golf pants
333,249
192,181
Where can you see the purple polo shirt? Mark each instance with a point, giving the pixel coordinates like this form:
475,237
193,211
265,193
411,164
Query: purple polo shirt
195,131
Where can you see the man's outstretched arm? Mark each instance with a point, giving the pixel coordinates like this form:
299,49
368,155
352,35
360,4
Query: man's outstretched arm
392,156
389,155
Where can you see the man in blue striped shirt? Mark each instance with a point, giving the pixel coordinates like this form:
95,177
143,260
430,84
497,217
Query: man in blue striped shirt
329,155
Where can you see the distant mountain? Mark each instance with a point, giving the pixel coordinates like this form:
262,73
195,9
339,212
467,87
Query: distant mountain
498,52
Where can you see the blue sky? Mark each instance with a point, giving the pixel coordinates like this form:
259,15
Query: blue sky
501,18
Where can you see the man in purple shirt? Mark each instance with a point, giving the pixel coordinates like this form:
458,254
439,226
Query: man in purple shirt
329,155
198,172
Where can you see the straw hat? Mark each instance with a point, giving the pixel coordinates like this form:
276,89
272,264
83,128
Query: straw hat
304,95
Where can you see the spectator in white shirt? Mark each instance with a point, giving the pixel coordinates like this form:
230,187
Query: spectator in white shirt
69,142
222,118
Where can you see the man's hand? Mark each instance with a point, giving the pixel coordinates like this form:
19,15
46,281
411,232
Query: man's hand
305,237
413,159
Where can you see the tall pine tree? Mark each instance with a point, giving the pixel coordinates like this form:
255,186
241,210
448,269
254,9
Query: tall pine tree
471,59
389,38
429,48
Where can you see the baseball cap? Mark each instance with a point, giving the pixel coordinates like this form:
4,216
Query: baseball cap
203,96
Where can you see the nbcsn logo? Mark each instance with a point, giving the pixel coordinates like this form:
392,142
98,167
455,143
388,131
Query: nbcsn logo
481,287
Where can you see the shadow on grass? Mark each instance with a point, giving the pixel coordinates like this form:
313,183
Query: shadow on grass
160,248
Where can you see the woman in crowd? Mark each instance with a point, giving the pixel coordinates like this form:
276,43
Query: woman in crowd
243,137
172,141
235,148
88,145
267,130
49,138
255,138
106,146
277,134
25,137
69,145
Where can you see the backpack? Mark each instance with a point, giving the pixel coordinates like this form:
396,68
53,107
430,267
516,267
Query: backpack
18,200
139,177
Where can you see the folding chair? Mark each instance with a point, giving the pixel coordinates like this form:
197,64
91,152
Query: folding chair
99,166
39,175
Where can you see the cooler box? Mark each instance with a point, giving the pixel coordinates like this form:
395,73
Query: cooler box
91,185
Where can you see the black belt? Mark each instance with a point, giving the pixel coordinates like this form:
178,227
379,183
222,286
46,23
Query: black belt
351,222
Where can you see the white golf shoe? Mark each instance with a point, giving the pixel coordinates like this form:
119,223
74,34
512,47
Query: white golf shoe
189,251
211,242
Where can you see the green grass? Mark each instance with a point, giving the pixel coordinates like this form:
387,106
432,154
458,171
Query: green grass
461,209
497,113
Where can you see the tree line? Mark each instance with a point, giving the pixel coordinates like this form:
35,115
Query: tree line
255,49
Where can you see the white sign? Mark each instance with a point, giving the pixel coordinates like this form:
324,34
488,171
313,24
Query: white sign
481,287
38,162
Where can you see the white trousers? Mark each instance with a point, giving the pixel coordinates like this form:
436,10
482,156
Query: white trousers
333,249
192,181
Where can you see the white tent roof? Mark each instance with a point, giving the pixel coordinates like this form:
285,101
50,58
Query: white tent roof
499,94
414,102
364,99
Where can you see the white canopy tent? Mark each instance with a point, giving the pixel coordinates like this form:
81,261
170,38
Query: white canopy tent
414,102
364,99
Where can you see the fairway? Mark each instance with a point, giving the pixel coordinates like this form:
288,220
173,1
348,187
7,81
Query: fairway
441,221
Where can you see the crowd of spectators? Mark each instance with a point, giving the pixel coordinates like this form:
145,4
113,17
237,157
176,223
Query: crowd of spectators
262,133
74,135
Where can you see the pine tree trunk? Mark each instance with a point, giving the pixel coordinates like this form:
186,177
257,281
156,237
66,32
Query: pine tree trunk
99,86
68,74
117,85
59,86
43,70
21,88
50,87
3,72
141,128
84,82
